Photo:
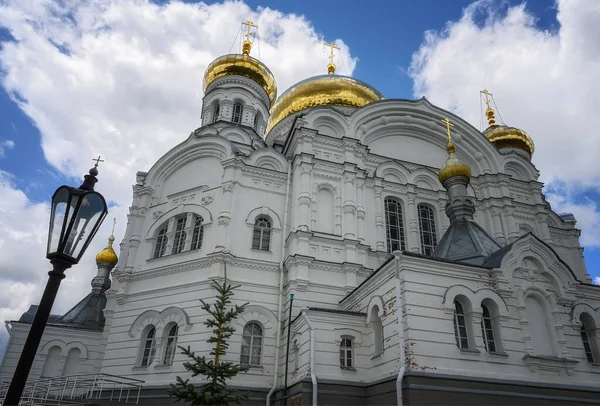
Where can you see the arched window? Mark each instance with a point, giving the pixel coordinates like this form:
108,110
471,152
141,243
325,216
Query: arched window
377,331
539,326
427,227
179,238
261,238
346,353
588,337
394,225
237,112
161,243
72,363
197,233
148,346
460,326
257,118
170,345
216,111
487,330
251,344
51,365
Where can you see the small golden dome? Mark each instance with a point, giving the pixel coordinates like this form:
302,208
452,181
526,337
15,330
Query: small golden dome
323,90
509,137
453,166
242,65
107,255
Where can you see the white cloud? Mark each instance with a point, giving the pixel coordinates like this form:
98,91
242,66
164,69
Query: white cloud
596,280
122,79
543,82
4,145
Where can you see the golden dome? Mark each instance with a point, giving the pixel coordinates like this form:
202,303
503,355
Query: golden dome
324,90
453,166
509,137
242,65
107,255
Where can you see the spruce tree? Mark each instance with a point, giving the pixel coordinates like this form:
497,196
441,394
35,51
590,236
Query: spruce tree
213,390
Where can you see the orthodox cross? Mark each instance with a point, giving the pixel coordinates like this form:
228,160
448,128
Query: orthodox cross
331,45
448,125
98,160
250,24
114,224
487,97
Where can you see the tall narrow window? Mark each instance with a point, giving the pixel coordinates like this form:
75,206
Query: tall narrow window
237,112
427,227
251,345
588,337
197,233
257,119
72,362
179,239
586,344
161,243
346,353
487,330
170,345
149,347
460,326
52,360
261,238
394,225
295,355
216,111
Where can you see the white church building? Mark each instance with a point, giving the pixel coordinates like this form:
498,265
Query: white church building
426,266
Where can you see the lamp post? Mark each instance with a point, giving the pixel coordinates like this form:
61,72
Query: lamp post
75,216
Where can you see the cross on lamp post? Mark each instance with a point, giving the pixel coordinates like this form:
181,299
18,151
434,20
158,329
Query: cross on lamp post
75,216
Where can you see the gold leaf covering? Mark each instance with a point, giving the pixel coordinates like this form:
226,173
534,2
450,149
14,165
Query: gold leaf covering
242,65
509,137
325,90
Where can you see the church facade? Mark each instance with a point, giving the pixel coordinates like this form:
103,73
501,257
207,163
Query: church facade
426,265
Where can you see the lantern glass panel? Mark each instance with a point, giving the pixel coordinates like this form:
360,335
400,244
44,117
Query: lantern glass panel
88,218
60,209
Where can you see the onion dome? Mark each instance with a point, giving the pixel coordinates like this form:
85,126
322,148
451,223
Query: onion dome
503,136
453,166
323,90
242,65
107,255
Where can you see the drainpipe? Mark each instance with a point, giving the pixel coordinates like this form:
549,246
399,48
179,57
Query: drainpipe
313,377
399,309
279,300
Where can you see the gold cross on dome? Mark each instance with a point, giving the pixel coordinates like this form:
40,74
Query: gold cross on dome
487,97
448,125
250,25
331,45
98,160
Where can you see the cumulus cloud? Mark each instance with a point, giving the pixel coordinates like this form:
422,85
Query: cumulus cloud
544,82
122,79
4,145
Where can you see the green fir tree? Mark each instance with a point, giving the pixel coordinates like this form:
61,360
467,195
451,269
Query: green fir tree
213,389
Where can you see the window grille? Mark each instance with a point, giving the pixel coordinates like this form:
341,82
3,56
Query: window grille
394,225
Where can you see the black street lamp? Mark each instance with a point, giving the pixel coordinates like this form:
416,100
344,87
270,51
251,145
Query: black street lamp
75,216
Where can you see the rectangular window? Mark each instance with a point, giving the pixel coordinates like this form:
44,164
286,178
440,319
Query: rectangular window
394,225
346,353
586,345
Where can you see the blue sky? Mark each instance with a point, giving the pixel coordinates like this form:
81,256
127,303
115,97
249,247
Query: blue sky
122,79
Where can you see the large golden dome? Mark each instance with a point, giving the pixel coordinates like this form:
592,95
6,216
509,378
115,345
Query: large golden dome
509,137
242,65
107,255
324,90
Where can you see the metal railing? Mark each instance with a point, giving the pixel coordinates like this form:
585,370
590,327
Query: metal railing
77,390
